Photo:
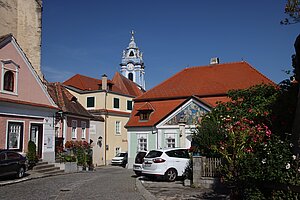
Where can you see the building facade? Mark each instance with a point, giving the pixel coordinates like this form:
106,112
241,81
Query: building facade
113,101
27,111
166,115
23,19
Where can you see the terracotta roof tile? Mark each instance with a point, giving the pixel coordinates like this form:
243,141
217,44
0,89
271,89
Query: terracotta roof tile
206,81
118,84
66,101
208,84
146,106
162,109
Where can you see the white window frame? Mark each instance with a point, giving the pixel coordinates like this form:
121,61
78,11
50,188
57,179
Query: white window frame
118,127
87,102
113,103
16,76
83,130
131,105
142,146
74,129
170,144
20,137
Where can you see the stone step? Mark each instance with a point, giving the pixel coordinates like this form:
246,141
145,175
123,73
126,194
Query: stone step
58,171
47,169
42,166
41,163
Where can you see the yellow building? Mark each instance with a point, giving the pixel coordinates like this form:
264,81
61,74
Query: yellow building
110,99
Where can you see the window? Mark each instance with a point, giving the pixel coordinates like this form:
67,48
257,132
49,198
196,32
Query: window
130,76
129,105
144,115
15,136
116,103
180,153
117,150
118,127
9,81
12,156
83,130
74,129
170,142
131,53
90,102
142,144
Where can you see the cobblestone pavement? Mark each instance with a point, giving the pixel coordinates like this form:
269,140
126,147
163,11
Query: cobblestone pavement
104,183
176,191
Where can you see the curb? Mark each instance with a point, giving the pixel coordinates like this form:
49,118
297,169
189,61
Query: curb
145,193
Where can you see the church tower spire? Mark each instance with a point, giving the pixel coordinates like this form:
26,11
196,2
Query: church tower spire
132,65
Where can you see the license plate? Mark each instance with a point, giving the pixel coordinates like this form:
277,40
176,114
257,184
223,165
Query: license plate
147,165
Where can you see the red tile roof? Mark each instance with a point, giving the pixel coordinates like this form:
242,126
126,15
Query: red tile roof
146,106
208,84
213,80
118,84
161,110
66,101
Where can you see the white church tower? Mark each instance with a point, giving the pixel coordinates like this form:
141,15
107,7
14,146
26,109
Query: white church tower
132,65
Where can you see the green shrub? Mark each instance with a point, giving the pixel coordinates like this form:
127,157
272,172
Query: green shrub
31,154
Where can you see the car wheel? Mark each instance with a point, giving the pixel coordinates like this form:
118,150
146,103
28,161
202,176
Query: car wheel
21,172
171,175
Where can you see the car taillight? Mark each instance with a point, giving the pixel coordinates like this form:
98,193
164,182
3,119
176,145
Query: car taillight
158,160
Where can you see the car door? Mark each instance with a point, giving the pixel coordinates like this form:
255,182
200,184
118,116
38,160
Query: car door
180,159
3,164
12,162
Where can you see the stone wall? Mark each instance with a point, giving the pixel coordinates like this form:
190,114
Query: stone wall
24,20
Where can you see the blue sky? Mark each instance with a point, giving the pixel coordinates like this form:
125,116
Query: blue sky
88,37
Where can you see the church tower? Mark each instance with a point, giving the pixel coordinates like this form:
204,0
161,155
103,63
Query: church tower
132,65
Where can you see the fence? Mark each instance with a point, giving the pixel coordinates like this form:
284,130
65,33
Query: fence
205,171
210,166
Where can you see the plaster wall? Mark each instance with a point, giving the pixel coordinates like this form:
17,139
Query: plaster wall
24,20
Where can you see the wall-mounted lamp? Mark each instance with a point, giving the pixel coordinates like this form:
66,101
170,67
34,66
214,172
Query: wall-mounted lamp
99,141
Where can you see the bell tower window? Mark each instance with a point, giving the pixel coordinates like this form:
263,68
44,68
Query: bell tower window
130,76
131,53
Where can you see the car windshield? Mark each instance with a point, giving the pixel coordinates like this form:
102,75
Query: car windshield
121,155
154,154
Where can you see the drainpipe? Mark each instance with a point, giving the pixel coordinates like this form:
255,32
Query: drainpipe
104,87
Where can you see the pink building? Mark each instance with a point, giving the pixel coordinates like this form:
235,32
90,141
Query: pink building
72,120
27,111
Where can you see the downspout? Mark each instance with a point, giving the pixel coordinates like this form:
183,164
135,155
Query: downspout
105,89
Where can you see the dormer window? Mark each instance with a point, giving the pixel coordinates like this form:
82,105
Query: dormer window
8,81
9,77
144,115
145,111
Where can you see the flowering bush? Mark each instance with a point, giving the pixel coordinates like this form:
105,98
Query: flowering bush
254,150
81,151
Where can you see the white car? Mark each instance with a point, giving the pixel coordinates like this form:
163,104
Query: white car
120,159
169,163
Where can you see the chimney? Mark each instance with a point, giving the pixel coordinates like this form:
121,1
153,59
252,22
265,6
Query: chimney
214,61
104,82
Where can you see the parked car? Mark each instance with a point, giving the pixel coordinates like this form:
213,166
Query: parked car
138,162
120,159
169,163
12,163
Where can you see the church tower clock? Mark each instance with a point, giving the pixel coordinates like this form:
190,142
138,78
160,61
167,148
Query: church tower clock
132,65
